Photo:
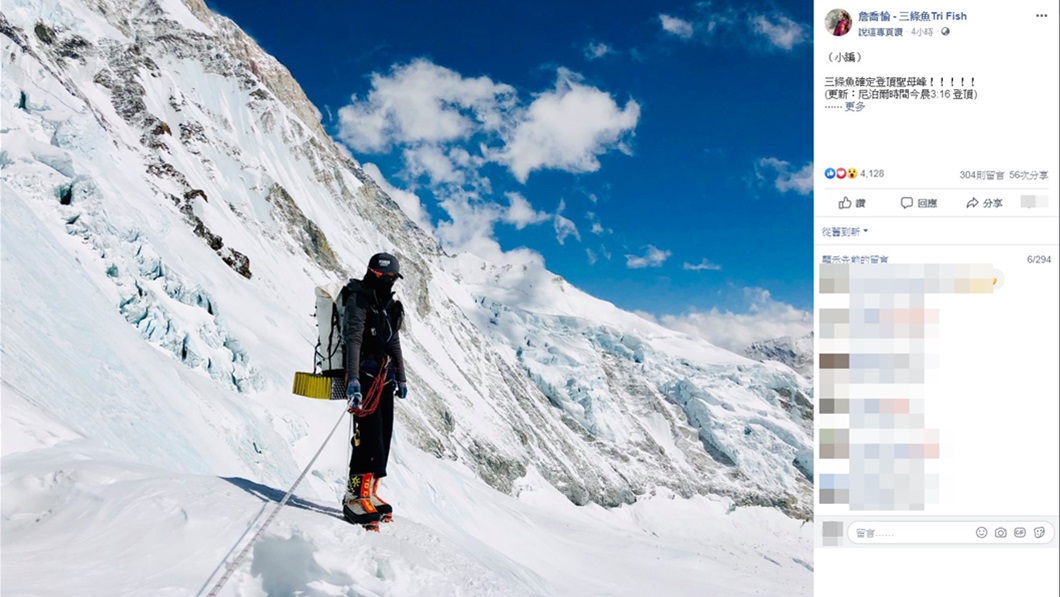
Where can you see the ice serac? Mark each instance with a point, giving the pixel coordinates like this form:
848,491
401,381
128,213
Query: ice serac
796,353
189,174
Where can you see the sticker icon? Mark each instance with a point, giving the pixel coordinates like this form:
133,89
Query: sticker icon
829,173
841,173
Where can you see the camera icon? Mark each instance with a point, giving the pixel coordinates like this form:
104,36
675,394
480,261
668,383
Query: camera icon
1000,532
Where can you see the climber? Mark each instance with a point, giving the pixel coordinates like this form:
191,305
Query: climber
375,366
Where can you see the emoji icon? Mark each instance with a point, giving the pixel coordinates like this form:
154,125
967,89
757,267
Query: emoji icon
829,173
981,532
852,172
841,173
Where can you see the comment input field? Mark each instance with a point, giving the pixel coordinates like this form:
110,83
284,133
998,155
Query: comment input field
983,532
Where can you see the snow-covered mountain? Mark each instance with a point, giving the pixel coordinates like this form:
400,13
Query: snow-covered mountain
796,353
169,202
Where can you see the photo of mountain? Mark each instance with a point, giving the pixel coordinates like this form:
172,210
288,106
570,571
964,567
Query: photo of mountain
171,199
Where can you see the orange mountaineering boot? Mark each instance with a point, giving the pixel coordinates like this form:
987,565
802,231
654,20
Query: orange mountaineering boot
357,507
385,510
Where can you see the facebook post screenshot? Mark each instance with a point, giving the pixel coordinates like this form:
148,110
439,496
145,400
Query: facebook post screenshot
936,298
529,298
417,298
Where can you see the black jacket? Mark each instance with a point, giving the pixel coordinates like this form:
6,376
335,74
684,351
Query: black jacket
373,321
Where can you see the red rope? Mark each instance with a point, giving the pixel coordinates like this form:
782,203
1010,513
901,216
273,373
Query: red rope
375,392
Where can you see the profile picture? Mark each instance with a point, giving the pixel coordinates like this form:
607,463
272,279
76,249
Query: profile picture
838,22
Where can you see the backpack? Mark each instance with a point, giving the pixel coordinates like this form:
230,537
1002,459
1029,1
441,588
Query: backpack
330,352
330,357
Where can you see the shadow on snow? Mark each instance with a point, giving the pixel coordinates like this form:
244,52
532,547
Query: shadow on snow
271,494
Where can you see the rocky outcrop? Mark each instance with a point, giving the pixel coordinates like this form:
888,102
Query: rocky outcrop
306,233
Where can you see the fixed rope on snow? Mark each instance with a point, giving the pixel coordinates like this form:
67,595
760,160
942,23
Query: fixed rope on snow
368,406
234,565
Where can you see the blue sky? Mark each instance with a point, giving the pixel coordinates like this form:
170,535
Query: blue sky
655,154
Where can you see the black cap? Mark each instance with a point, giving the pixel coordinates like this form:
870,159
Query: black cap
384,263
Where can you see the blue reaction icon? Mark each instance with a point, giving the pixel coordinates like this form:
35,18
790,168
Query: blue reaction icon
829,173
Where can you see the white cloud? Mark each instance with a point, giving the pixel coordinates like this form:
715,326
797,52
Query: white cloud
591,256
424,108
363,128
422,102
521,214
726,22
408,202
654,257
568,128
447,128
705,264
784,177
646,315
780,30
432,161
596,49
679,27
765,319
470,226
563,226
719,23
594,222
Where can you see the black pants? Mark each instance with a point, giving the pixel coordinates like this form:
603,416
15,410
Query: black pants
371,440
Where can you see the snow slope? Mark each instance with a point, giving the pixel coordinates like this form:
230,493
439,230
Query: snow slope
169,201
